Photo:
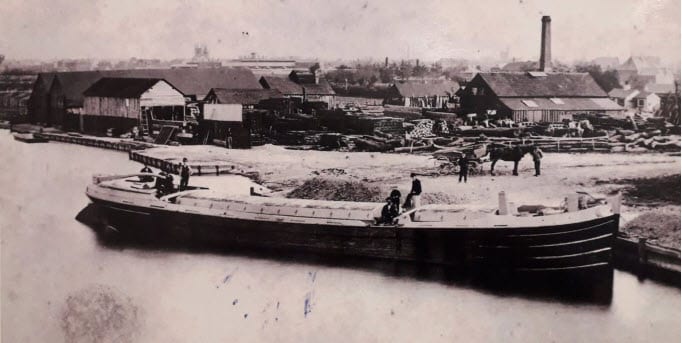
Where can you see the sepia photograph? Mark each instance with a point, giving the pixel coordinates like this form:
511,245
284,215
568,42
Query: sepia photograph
340,171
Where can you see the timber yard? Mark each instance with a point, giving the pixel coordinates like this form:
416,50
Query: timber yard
263,194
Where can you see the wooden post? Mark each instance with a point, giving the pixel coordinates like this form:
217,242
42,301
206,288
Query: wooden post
199,170
641,252
217,170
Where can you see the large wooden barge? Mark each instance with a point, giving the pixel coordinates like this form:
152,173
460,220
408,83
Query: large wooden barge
569,241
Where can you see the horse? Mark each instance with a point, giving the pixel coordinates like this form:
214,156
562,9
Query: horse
515,154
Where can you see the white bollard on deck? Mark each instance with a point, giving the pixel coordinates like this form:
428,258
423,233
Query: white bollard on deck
503,206
572,202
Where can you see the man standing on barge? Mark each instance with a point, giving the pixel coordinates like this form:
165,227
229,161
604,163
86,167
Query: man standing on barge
185,172
412,199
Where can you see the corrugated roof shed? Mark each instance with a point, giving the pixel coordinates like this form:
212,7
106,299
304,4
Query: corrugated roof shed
429,88
552,85
243,96
114,87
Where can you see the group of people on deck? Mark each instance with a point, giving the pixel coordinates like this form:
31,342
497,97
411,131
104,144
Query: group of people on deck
164,181
392,207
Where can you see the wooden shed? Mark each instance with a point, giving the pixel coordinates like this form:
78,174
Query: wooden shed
122,103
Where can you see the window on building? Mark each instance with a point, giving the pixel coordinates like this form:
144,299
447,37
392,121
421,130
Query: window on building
474,90
640,102
481,91
529,103
556,101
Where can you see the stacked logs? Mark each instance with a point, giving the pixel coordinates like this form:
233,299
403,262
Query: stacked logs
422,128
628,140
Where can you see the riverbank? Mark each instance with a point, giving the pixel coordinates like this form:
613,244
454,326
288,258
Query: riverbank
647,181
58,282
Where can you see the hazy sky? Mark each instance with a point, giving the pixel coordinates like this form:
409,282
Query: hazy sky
581,29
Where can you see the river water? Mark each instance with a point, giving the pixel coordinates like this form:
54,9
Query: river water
59,284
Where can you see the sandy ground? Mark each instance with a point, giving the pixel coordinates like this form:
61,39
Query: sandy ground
562,174
597,174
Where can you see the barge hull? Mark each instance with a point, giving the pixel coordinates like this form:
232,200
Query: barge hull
575,248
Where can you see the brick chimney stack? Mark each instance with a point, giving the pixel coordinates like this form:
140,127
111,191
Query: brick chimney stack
546,48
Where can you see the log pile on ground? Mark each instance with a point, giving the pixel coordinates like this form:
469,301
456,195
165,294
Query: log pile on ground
337,190
628,140
422,128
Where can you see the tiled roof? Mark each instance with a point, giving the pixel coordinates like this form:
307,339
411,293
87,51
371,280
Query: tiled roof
289,87
282,84
120,87
551,85
189,81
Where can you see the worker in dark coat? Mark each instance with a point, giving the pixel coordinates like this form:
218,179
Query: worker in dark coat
185,172
160,184
169,186
463,167
412,199
395,198
146,169
537,156
164,184
389,211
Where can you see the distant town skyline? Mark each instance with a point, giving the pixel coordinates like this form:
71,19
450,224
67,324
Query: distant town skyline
426,29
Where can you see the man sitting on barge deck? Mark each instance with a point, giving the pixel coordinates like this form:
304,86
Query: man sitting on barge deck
389,212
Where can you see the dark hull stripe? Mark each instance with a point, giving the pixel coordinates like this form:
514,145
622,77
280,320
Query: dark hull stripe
494,247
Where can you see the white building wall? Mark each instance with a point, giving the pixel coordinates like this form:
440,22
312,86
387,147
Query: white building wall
162,94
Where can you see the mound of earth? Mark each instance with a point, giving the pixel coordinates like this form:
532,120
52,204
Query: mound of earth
652,190
661,226
438,198
338,190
